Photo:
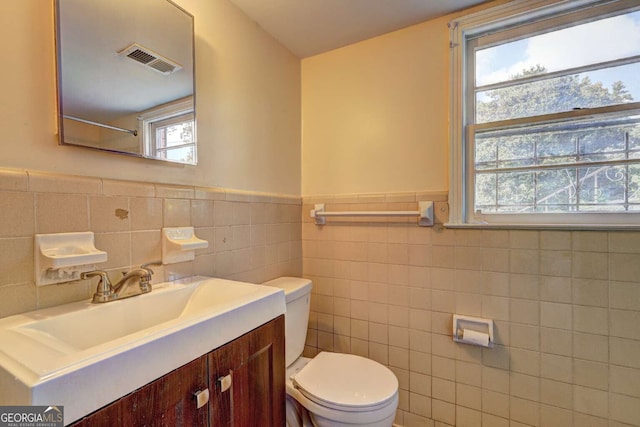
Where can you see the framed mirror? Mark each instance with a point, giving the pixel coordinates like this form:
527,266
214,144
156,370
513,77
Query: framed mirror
126,77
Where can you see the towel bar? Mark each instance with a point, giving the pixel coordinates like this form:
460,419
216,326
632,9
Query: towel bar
425,212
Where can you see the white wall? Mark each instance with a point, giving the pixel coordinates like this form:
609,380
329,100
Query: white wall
375,114
248,104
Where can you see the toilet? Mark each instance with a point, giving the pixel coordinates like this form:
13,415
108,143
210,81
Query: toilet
331,389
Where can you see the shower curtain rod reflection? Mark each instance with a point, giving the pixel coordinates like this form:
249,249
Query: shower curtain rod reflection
78,119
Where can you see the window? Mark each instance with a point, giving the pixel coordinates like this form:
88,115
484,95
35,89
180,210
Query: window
174,138
546,114
170,132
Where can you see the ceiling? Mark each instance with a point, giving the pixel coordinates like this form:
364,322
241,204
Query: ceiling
310,27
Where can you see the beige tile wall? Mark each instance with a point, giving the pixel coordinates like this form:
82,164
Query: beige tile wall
566,306
252,237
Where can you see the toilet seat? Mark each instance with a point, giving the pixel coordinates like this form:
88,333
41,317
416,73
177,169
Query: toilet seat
346,382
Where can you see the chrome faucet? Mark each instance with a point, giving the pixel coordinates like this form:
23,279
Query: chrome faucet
106,292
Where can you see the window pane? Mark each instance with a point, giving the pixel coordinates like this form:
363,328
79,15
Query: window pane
486,153
505,151
602,188
573,189
175,134
579,141
584,90
634,185
549,168
634,138
556,147
516,151
602,140
486,194
182,154
556,190
598,41
515,190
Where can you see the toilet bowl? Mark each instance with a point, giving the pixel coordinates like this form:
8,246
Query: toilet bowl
331,389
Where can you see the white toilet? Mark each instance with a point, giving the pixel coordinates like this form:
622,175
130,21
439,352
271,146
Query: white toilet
332,389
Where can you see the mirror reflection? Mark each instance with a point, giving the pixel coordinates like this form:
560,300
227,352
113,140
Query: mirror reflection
126,77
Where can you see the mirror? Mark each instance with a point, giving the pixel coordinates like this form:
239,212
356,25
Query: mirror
126,77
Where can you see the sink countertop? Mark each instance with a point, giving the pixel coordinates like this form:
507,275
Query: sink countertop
56,356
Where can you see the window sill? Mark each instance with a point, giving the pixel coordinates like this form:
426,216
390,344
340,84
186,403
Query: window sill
570,227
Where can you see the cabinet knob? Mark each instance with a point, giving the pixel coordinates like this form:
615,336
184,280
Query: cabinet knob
202,397
225,382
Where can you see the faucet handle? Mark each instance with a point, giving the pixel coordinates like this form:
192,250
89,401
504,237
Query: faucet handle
145,282
104,278
104,291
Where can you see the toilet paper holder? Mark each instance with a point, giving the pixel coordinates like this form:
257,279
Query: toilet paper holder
473,330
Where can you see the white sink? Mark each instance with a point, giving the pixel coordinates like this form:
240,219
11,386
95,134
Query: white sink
85,355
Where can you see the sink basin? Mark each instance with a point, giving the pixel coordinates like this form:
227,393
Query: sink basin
85,355
88,325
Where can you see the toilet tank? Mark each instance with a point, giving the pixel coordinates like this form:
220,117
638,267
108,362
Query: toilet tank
297,293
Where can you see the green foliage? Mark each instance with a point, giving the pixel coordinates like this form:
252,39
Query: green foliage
547,96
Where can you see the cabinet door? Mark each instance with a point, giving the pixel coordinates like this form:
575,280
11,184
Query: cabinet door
255,363
168,401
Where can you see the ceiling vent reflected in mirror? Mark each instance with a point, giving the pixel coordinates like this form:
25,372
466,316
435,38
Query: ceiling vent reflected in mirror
150,59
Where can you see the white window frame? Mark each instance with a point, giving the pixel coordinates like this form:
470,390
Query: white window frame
461,185
165,115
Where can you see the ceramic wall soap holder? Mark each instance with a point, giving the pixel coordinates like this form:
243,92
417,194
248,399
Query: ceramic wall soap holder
179,244
62,257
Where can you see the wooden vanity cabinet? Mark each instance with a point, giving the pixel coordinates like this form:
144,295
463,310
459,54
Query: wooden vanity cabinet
167,401
254,363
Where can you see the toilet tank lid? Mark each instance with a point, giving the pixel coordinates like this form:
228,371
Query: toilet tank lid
294,287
